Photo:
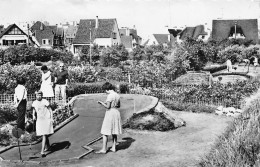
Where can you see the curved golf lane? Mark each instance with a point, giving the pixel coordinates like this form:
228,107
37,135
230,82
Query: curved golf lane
68,141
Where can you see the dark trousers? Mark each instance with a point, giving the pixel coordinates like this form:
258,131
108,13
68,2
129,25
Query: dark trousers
21,114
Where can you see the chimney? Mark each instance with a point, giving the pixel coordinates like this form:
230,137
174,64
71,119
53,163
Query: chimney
96,26
41,27
127,32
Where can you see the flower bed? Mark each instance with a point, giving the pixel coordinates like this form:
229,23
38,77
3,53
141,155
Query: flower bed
60,114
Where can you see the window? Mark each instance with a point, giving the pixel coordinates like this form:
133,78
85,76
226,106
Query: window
114,35
45,41
14,31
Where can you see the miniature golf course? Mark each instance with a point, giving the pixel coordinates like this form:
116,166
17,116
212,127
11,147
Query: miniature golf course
73,141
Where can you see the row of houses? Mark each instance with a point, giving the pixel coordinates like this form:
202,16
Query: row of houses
103,32
106,32
221,29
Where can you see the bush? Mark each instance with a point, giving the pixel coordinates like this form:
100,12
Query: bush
239,145
9,74
96,87
7,114
215,69
180,106
25,54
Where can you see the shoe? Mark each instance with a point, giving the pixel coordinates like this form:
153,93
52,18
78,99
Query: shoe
43,155
101,152
112,150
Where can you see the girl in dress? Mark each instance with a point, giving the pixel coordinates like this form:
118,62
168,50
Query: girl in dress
43,115
46,86
112,120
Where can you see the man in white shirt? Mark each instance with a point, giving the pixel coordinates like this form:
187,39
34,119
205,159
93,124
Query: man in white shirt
20,101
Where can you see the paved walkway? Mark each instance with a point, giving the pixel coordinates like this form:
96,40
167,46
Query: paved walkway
68,141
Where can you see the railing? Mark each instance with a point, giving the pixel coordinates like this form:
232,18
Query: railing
8,99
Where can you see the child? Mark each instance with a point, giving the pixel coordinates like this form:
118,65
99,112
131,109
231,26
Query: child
229,65
20,101
255,63
44,120
112,120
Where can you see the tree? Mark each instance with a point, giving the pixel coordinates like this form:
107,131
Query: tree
112,56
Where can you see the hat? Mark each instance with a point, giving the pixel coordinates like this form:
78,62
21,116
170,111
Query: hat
38,92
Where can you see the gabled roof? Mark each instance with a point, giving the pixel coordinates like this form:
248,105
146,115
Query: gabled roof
9,28
59,31
127,41
174,32
221,28
40,31
70,32
104,30
161,38
192,32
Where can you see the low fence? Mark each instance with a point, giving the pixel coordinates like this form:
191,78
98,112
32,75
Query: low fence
206,102
8,99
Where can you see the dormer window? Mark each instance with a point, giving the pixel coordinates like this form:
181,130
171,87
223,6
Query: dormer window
46,41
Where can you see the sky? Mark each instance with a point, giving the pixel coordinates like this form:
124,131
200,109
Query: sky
148,16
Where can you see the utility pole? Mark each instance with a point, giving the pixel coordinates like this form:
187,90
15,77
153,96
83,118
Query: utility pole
28,43
90,61
235,29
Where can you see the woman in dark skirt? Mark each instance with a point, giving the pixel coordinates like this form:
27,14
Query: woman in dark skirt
20,101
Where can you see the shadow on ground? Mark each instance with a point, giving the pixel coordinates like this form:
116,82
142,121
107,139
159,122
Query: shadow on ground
126,143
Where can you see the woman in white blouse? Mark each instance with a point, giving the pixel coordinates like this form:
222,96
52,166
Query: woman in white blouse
46,86
20,101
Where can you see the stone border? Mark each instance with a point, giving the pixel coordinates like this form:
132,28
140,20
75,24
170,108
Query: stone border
152,105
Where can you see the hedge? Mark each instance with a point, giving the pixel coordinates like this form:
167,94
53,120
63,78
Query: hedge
96,87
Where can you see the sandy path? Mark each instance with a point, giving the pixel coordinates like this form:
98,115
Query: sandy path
180,147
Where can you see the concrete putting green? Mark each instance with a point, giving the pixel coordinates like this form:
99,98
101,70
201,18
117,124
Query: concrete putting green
73,141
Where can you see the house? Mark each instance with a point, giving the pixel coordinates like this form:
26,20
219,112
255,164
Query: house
241,28
157,39
198,32
102,32
48,36
129,38
69,35
173,35
13,35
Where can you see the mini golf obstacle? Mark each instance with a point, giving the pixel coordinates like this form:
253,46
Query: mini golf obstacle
72,140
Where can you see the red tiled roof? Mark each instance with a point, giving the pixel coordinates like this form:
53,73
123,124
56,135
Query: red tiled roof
104,30
47,32
161,38
192,32
221,28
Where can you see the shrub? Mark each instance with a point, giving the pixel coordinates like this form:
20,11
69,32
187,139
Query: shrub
26,54
96,87
215,69
239,145
7,114
197,108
